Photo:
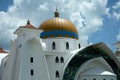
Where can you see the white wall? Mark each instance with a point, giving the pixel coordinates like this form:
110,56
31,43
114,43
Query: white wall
53,66
33,49
25,34
3,66
17,54
61,44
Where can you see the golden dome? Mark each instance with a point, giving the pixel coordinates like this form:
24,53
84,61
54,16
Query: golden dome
56,24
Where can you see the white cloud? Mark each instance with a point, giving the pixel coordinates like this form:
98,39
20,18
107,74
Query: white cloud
43,6
107,12
17,2
116,15
117,5
90,21
114,11
85,14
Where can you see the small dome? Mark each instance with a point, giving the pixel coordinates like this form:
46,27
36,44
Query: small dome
58,27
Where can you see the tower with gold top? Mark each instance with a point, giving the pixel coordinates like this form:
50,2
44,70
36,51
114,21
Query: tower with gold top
60,33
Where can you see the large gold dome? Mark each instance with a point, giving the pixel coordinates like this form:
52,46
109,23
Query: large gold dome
58,27
58,24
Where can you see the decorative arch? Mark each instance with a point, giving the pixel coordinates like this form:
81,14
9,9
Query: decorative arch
88,53
94,66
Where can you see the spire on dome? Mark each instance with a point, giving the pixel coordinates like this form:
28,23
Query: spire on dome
28,22
56,13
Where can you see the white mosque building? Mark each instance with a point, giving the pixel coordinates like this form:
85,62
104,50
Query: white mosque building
53,52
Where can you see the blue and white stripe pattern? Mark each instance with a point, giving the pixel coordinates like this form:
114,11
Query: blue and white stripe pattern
58,33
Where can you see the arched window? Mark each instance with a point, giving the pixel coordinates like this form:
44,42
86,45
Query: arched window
57,73
53,45
62,60
31,72
31,59
79,46
94,79
67,45
57,60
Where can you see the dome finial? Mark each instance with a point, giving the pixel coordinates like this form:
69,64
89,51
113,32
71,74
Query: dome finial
28,25
56,13
28,22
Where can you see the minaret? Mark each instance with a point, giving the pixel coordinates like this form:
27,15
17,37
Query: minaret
27,61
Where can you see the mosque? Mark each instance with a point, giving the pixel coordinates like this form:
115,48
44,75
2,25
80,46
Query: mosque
53,52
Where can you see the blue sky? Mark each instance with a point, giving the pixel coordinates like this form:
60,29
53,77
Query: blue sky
110,29
4,4
96,20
